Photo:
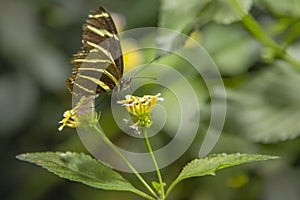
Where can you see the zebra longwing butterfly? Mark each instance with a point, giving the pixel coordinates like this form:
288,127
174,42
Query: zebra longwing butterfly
98,66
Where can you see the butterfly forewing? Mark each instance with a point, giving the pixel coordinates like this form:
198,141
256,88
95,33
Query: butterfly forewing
98,66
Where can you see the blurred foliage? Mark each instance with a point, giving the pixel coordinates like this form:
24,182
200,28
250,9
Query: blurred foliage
37,40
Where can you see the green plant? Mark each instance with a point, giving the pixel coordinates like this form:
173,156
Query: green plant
270,43
83,168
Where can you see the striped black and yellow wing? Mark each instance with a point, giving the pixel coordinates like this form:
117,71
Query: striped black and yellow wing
98,66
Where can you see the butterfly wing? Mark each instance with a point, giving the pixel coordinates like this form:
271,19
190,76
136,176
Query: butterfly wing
98,66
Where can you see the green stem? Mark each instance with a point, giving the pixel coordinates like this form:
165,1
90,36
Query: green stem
171,188
255,29
112,146
155,164
142,194
291,35
291,60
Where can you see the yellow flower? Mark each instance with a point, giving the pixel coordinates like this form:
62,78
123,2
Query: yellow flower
139,109
82,114
69,120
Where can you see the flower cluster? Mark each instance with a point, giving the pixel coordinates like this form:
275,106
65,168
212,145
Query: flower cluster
139,109
69,120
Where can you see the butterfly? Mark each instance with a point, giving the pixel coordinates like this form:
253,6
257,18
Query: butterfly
98,65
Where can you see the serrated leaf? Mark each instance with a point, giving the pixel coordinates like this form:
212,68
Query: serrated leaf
210,164
285,8
81,168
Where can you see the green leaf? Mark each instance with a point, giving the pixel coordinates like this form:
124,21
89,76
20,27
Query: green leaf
283,8
230,11
182,15
209,165
266,108
231,47
81,168
157,186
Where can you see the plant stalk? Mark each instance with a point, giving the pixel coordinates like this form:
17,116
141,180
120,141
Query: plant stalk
174,183
112,146
155,164
256,30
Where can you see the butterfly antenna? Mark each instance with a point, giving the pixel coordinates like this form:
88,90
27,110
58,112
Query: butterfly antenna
156,58
152,78
126,82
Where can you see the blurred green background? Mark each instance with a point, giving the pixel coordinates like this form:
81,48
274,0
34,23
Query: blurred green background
38,38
